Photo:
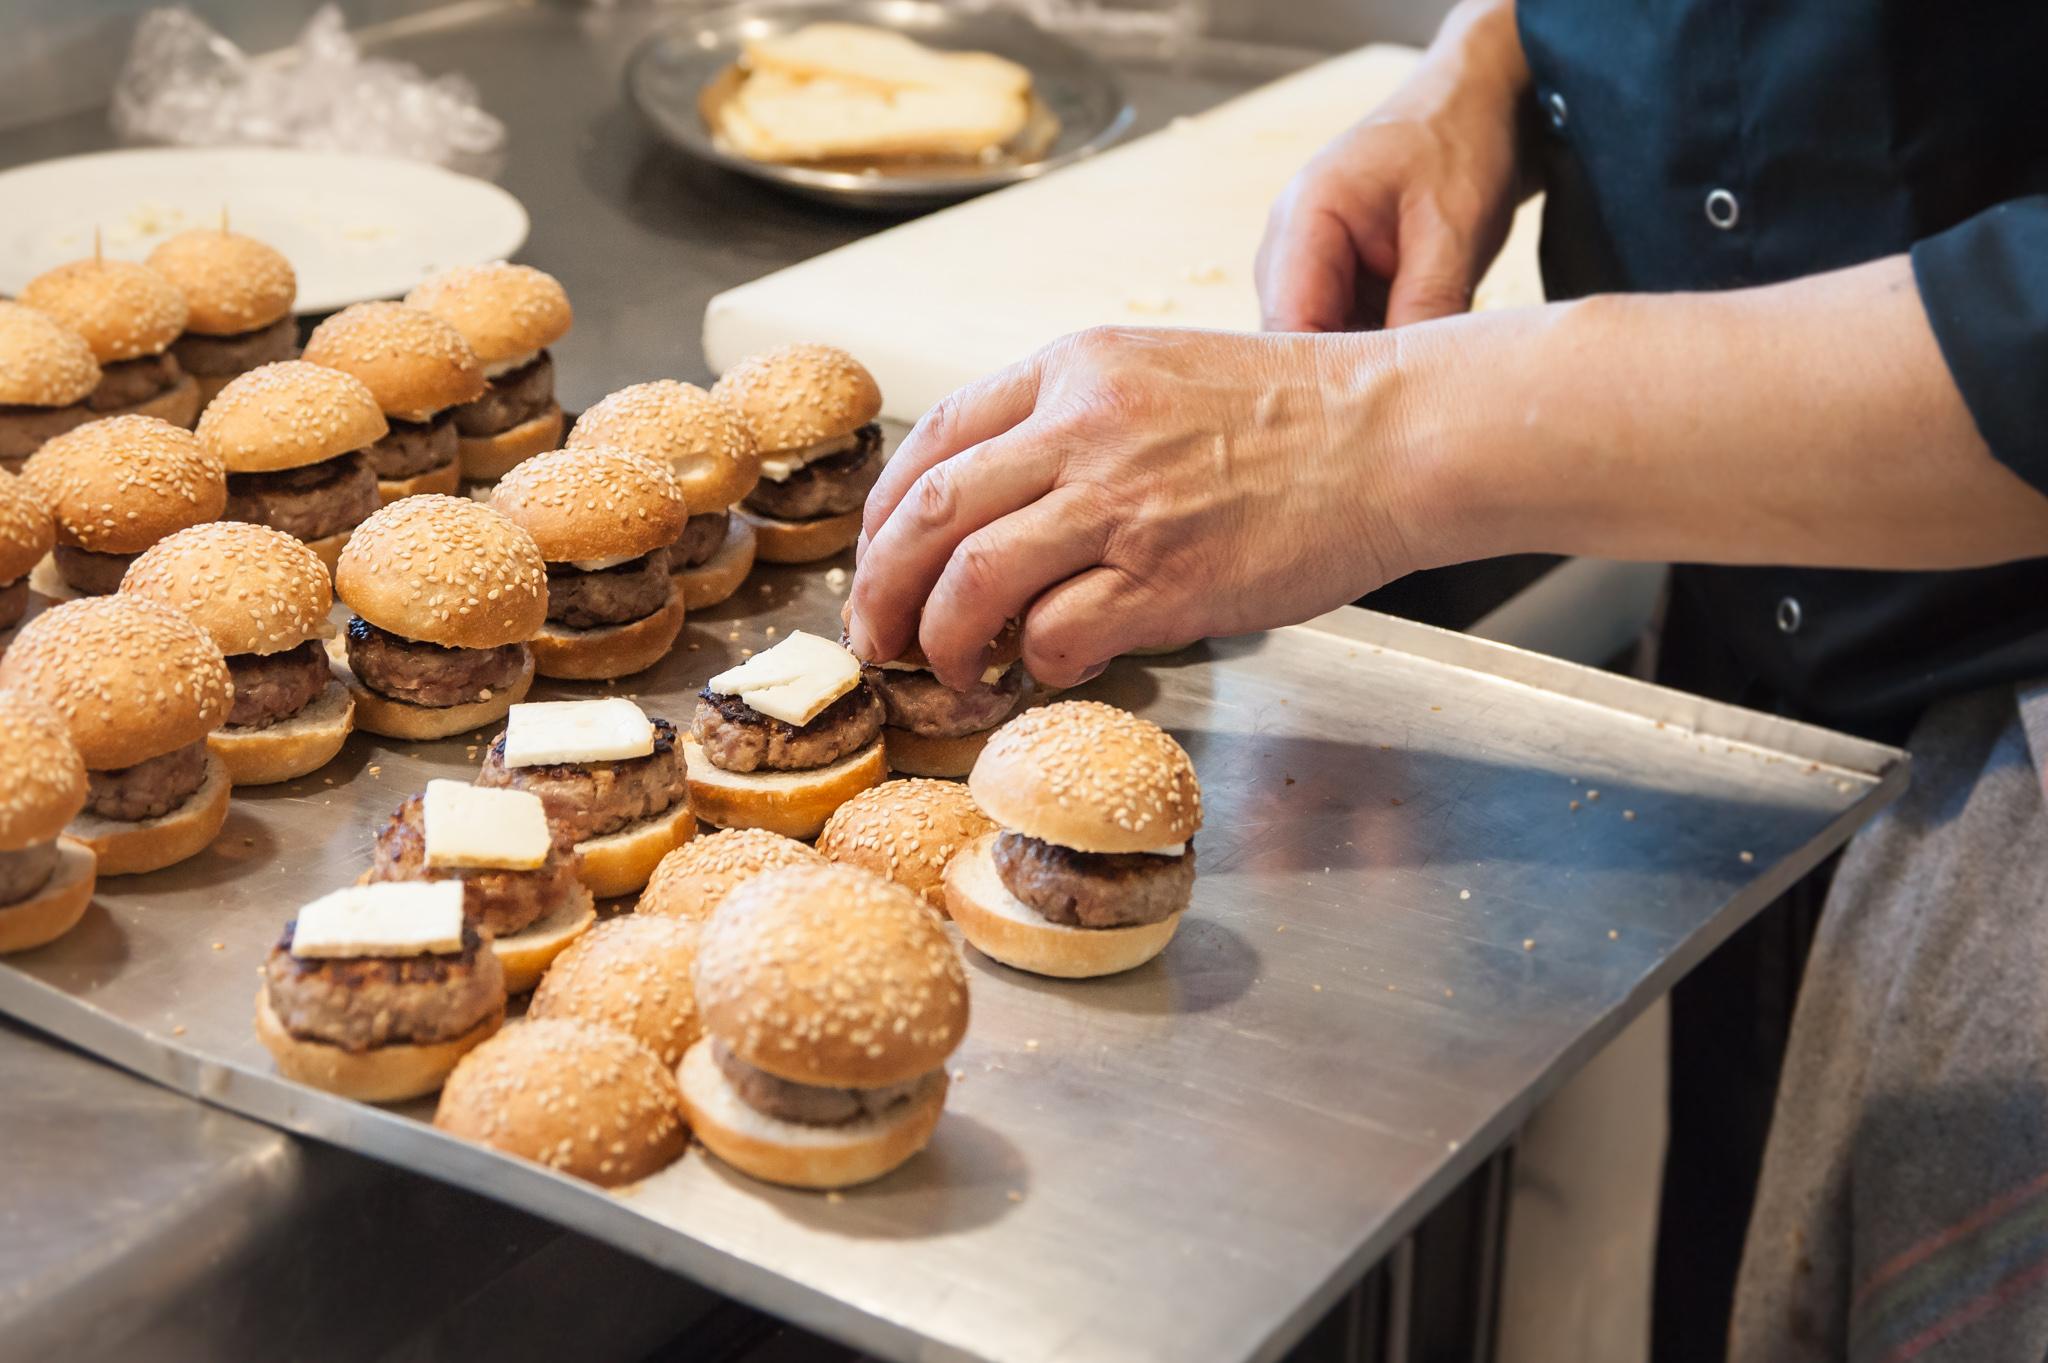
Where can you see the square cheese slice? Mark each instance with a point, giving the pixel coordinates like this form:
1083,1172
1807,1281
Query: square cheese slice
546,732
481,828
384,918
793,681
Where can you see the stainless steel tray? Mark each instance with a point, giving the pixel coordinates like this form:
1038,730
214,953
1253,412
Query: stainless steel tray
1404,935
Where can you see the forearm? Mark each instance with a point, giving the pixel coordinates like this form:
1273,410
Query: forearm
1478,51
1810,423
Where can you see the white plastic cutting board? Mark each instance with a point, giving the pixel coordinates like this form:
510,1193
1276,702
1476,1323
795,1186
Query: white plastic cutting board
1158,232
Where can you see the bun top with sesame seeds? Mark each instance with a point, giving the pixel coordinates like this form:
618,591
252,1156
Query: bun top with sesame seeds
122,309
231,283
119,485
253,589
830,975
504,311
45,783
591,504
445,570
414,363
906,831
798,395
581,1099
288,415
703,441
631,974
43,363
1088,776
132,680
691,880
27,530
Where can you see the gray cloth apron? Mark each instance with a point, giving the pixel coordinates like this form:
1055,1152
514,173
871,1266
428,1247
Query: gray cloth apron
1903,1209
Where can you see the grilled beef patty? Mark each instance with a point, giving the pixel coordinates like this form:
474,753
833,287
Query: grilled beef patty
807,1104
920,702
737,737
26,870
593,799
271,687
147,789
499,902
225,357
312,502
360,1002
428,674
832,486
511,399
1094,889
411,448
701,537
580,598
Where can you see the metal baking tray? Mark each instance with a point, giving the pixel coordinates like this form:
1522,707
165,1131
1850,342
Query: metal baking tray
1414,918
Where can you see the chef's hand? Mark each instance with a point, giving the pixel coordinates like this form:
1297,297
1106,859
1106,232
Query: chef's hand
1396,220
1128,487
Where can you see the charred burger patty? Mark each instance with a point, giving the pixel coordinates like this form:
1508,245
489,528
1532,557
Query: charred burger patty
411,448
428,674
270,687
737,737
13,602
702,534
26,870
500,902
581,598
223,357
127,382
593,799
312,502
831,486
511,399
807,1104
918,701
147,789
90,572
1094,889
362,1002
24,430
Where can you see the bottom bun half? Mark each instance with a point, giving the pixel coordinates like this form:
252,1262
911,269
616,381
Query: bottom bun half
447,478
620,863
527,953
610,650
487,458
125,848
381,1074
55,909
290,748
1004,927
795,1155
792,803
380,714
719,576
802,541
916,755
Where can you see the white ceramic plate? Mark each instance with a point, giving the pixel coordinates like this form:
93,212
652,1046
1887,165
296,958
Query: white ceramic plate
353,227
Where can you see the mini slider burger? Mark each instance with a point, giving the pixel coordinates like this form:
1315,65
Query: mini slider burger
238,304
613,780
692,880
785,738
1094,861
708,449
811,409
419,368
46,879
830,1000
264,598
129,315
46,374
26,534
116,487
510,315
906,831
518,872
446,594
603,521
933,730
295,439
375,991
139,687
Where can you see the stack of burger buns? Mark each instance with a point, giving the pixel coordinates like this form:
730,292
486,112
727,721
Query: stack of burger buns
420,370
238,304
509,315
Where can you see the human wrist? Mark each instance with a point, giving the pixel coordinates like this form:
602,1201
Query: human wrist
1474,68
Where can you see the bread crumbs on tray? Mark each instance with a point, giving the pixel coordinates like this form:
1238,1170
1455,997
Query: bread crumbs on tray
178,1030
1628,815
1015,1195
1613,934
1464,894
1574,806
1747,856
1528,944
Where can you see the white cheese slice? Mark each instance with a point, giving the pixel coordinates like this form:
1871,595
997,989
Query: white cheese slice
598,565
779,466
385,918
504,367
480,827
543,733
793,681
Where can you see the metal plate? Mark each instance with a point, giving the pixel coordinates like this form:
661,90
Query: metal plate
671,71
1403,937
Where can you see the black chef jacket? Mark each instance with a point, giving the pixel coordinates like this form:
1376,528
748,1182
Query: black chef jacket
1710,144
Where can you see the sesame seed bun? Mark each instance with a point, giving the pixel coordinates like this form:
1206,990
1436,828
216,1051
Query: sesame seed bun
718,577
123,310
793,1154
619,863
444,481
584,1100
380,1074
527,953
830,975
231,283
592,503
254,589
132,679
906,831
504,311
1004,928
792,803
633,976
288,415
45,786
415,363
290,748
704,443
1088,776
690,881
798,395
132,848
27,530
377,713
118,486
606,651
43,363
445,570
487,458
779,541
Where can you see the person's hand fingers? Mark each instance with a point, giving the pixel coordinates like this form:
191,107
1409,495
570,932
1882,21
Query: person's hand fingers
981,411
1080,624
1434,276
996,572
948,502
1308,271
